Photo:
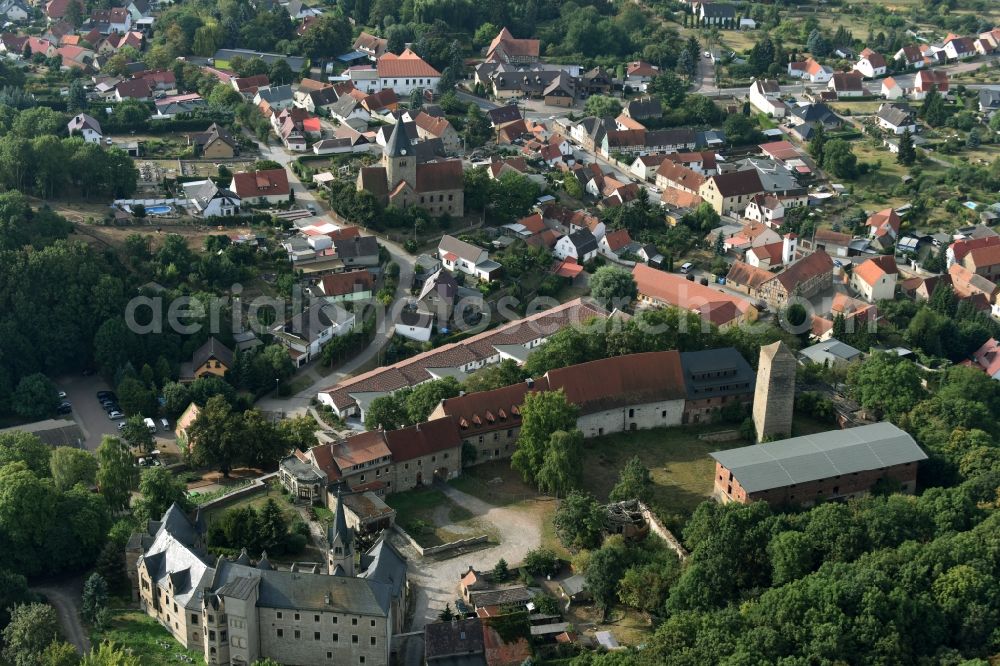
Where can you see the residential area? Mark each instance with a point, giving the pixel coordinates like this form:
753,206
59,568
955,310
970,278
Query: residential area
499,333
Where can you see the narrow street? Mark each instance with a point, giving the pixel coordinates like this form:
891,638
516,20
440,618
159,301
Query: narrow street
65,598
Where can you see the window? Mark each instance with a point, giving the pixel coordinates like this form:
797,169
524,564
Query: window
373,624
315,618
194,618
279,615
329,655
631,413
315,635
373,640
361,659
298,634
296,616
336,638
433,458
354,638
211,635
354,621
281,632
335,619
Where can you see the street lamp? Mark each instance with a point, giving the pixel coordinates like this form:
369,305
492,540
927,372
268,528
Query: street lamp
276,382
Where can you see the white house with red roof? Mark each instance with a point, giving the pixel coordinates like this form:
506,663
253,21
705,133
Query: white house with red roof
927,80
810,70
875,279
959,48
891,89
883,226
766,209
870,64
403,73
615,243
267,186
987,358
773,255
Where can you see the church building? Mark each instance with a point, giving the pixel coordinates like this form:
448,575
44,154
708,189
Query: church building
403,181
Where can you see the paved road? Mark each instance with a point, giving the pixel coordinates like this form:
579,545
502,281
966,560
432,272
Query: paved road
65,597
435,581
299,403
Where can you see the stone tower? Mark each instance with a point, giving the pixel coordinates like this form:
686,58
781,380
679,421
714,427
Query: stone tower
398,159
774,397
340,541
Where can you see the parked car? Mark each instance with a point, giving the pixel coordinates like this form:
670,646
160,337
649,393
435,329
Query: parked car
62,395
64,407
165,425
115,415
101,395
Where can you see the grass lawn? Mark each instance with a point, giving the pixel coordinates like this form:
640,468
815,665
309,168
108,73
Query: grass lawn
433,519
495,483
677,459
257,501
145,638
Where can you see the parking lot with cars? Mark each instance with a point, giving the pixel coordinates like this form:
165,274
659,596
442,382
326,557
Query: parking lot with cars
96,410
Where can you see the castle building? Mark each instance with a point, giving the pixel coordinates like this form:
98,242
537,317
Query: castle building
774,396
402,181
237,611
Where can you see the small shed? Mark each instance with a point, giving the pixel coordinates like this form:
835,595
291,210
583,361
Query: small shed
574,588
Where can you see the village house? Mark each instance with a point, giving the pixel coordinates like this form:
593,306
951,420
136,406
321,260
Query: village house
870,64
847,84
891,89
274,98
982,257
910,57
429,127
927,80
212,358
638,73
239,611
765,96
644,166
830,353
207,199
959,48
306,333
979,290
616,243
580,245
810,70
457,255
214,143
729,193
508,49
896,118
403,73
269,186
875,279
803,279
883,227
659,289
987,358
350,286
834,465
87,127
374,46
773,255
766,209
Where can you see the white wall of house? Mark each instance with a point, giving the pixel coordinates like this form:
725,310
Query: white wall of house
639,417
418,333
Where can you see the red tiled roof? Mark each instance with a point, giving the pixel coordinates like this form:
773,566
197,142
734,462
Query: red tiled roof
960,248
872,270
804,269
617,239
423,439
675,290
620,380
271,182
406,64
340,284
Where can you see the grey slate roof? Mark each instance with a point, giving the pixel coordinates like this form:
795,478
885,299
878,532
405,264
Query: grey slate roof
819,456
716,372
398,143
584,241
894,114
831,350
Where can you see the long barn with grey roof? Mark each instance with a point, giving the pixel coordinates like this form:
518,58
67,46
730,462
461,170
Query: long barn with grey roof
833,465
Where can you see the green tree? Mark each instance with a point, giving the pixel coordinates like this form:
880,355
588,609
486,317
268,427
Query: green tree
59,653
973,139
541,562
602,106
634,482
542,414
36,397
817,143
117,474
159,489
135,398
13,591
933,110
298,432
95,597
670,88
177,397
31,629
280,73
791,556
646,586
605,571
422,400
886,383
216,435
387,412
579,520
839,159
501,570
497,375
137,435
907,153
76,100
20,446
613,287
111,654
327,37
70,466
446,614
561,467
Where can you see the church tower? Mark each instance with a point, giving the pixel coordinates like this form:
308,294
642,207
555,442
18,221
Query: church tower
774,397
398,159
340,542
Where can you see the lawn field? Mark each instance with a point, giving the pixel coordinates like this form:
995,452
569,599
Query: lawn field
433,519
143,637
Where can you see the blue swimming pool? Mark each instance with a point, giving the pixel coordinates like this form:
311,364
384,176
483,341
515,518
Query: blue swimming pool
158,210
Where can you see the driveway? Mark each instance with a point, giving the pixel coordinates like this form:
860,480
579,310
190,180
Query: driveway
65,597
435,578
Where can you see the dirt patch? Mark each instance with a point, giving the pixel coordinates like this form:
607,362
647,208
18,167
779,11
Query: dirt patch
194,234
